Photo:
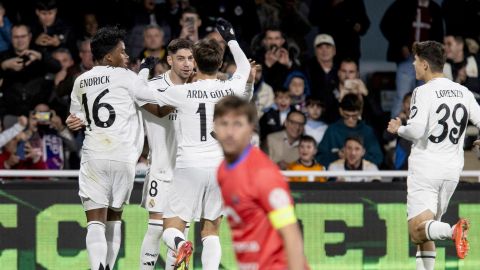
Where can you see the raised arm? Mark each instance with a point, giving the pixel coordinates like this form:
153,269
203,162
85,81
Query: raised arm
239,78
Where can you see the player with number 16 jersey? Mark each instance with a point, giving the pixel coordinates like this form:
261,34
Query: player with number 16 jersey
103,98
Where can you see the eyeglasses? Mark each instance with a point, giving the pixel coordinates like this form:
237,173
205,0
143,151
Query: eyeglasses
351,116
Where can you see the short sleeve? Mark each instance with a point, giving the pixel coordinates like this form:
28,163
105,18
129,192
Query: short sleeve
274,197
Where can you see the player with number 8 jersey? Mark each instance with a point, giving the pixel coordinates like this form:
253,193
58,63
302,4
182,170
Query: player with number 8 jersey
194,193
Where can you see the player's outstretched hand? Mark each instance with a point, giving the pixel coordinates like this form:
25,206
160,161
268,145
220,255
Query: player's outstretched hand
394,125
225,29
149,63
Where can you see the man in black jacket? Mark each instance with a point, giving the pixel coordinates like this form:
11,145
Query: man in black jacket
406,22
345,21
23,72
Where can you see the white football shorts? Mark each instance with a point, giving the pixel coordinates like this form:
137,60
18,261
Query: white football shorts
424,194
194,194
105,184
155,193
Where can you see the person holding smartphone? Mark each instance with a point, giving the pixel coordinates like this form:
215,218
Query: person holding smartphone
190,22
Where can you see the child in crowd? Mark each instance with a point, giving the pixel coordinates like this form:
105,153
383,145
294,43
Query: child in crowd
314,126
297,86
273,119
307,151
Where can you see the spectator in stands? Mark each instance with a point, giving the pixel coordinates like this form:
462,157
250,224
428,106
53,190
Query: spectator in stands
22,154
330,148
460,66
57,141
401,28
282,146
268,14
90,25
461,16
60,99
10,133
307,150
154,43
23,71
354,161
5,30
273,119
190,22
49,31
298,88
403,146
315,127
294,21
277,56
349,81
323,74
263,95
64,57
345,20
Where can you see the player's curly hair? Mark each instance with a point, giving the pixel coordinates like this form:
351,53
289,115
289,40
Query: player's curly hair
105,40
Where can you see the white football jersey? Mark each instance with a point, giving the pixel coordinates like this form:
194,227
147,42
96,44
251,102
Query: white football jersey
104,99
439,113
161,135
195,103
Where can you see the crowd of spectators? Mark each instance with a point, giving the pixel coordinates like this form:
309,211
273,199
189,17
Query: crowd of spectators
315,112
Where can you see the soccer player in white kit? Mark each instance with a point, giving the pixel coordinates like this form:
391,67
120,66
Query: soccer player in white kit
103,100
194,193
163,150
440,111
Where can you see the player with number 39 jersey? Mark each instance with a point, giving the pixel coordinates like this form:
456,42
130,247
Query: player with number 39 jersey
439,113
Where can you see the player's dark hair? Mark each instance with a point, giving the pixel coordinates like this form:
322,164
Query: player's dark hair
208,56
297,112
357,139
351,103
46,5
178,44
237,105
105,40
432,52
308,139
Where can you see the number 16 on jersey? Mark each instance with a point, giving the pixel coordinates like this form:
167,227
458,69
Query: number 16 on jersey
96,108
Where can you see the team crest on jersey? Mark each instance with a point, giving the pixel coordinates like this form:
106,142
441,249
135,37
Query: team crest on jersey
413,112
151,203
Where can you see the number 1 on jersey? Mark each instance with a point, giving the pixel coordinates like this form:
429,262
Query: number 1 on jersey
203,122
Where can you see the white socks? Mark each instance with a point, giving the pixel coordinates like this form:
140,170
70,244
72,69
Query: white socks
96,245
211,252
113,234
436,230
170,259
151,244
173,238
426,260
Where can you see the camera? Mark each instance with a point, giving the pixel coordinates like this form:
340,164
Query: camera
42,117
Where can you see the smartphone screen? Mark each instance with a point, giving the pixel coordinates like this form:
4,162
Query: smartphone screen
21,150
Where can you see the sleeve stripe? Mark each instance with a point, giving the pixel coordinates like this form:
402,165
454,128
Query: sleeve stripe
282,217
